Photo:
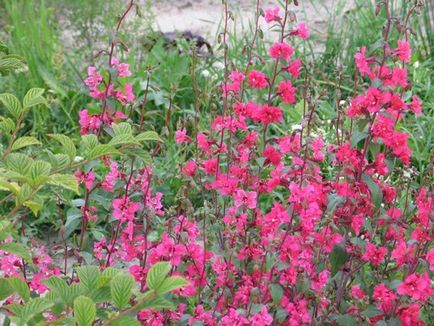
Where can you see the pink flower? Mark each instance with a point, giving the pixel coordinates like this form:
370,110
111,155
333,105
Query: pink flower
124,209
272,156
319,282
301,31
189,169
262,319
403,253
110,179
281,50
373,254
417,286
257,79
357,292
88,123
272,14
430,259
384,298
416,105
125,95
94,78
409,316
294,67
362,63
286,91
86,178
245,198
181,136
403,51
268,114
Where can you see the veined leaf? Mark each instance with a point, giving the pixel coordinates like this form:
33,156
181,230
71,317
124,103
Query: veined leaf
24,142
5,288
20,286
171,283
121,287
88,276
122,128
101,150
157,275
66,181
84,311
7,125
126,321
67,143
12,104
148,136
19,163
33,98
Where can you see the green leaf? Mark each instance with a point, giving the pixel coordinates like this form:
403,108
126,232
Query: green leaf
333,200
126,321
121,287
157,303
157,274
371,311
10,63
20,286
338,257
84,311
61,291
24,194
123,139
33,98
171,283
88,276
122,128
7,125
12,104
35,204
346,320
17,249
33,308
19,163
67,143
24,142
357,136
276,293
101,150
66,181
5,289
5,228
376,194
39,172
148,136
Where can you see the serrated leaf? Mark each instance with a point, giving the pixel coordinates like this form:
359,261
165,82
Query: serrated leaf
7,125
89,141
18,250
12,104
5,289
19,163
121,288
338,257
123,139
24,142
5,228
126,321
66,181
376,194
122,128
148,136
34,205
157,303
39,172
100,295
157,275
84,311
33,98
67,143
88,276
33,308
171,283
101,150
20,286
24,194
62,291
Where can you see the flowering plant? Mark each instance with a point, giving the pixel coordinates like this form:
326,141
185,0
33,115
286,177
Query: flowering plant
272,227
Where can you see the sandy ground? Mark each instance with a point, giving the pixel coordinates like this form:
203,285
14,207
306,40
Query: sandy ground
205,16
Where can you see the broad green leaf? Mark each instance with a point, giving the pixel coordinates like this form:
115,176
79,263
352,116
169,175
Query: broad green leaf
20,286
33,98
67,143
33,308
102,150
123,139
19,163
338,257
24,194
62,291
346,320
5,289
66,181
88,276
9,186
121,287
333,200
89,142
376,194
84,311
371,311
17,249
100,295
39,172
126,321
157,303
122,128
10,63
157,274
12,104
171,283
276,293
148,136
24,142
35,205
7,125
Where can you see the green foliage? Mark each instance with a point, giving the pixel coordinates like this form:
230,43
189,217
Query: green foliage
82,299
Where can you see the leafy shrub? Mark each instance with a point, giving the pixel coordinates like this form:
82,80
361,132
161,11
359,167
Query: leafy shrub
270,220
